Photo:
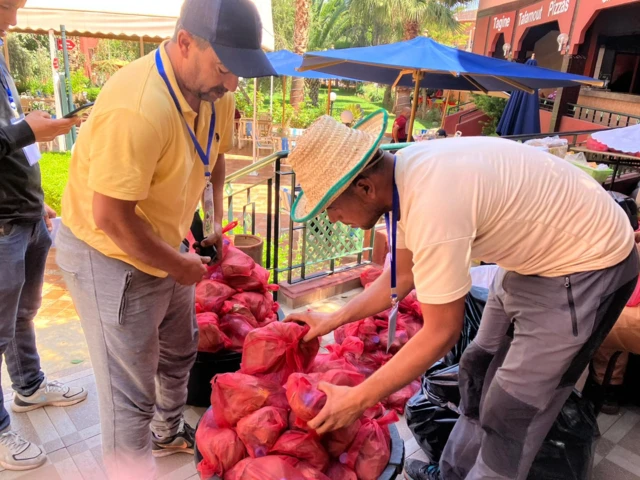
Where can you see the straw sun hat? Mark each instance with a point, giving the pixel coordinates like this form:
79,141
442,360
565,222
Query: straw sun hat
329,156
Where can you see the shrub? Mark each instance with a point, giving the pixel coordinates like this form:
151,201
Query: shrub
55,173
373,94
92,93
493,107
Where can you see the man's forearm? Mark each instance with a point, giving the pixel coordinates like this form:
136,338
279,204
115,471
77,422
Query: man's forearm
217,180
136,238
375,299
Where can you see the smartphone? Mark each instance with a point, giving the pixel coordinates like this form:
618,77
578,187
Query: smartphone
80,111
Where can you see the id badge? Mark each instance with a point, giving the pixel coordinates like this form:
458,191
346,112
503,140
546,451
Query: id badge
207,204
32,152
393,318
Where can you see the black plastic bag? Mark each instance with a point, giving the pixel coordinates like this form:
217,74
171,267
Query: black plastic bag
441,388
430,424
474,304
568,450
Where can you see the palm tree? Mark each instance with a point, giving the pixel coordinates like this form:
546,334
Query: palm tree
300,44
410,17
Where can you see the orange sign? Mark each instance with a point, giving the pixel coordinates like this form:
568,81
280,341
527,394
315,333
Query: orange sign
543,12
501,24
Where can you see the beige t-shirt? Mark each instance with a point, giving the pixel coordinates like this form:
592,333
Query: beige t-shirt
498,201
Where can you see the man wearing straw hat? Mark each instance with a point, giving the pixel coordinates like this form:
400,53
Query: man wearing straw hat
568,266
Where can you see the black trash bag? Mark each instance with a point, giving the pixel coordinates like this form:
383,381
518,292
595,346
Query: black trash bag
474,304
568,450
430,424
441,388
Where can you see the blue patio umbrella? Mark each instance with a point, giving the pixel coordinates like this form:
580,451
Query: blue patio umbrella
424,62
522,113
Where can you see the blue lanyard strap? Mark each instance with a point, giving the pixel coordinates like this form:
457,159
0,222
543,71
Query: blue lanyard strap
203,156
7,87
392,234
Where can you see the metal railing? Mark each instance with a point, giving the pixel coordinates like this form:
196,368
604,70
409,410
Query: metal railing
546,104
572,137
600,116
295,251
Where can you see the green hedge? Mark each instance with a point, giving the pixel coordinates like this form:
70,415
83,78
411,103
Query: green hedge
55,173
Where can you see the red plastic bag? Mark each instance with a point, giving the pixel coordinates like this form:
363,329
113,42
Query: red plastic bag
374,412
260,430
236,324
595,145
235,395
305,399
367,331
401,338
345,378
339,441
303,446
236,263
411,305
371,449
210,295
296,424
220,448
410,323
325,362
397,401
261,305
369,275
211,338
256,281
271,467
369,362
350,348
308,471
277,350
338,471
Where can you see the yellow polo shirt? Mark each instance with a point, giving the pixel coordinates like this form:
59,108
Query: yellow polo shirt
135,146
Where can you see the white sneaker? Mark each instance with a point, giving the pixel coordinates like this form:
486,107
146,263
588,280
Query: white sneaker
18,454
50,393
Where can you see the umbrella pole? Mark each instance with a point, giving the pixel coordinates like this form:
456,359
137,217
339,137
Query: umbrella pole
417,76
329,99
271,100
446,108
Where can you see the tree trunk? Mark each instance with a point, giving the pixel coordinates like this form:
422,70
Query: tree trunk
387,100
313,87
423,93
411,29
300,43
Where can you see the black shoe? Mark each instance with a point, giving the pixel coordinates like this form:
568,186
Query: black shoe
182,442
611,402
417,470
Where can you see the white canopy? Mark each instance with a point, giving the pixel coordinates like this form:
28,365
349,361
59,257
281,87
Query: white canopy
126,19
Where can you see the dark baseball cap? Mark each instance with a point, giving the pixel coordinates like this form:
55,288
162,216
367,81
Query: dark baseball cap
234,30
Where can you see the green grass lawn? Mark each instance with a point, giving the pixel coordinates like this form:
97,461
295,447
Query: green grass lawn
345,98
55,173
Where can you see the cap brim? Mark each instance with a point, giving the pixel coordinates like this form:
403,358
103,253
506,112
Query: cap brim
244,62
302,212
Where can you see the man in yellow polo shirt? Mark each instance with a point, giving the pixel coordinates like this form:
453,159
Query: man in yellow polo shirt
155,141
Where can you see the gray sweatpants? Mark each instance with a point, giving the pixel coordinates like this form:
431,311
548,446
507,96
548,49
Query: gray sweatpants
512,390
142,336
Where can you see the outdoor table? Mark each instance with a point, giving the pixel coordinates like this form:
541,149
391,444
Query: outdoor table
610,158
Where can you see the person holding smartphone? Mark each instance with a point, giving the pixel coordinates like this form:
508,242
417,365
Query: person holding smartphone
25,223
151,151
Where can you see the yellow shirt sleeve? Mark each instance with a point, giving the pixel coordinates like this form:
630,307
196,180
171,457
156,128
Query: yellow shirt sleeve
227,123
122,164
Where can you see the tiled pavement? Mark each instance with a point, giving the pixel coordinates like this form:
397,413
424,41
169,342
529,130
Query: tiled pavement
71,436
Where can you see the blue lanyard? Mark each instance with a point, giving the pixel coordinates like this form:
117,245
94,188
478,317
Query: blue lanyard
392,233
7,87
203,156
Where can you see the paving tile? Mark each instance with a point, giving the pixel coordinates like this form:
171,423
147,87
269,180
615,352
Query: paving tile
631,440
606,421
90,432
43,426
604,446
625,459
597,458
176,465
47,471
61,421
88,466
94,441
411,447
58,455
623,426
97,455
78,448
67,470
53,446
71,439
186,470
403,429
607,470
